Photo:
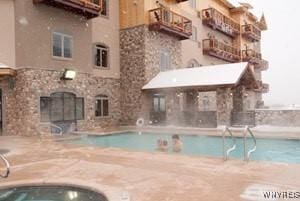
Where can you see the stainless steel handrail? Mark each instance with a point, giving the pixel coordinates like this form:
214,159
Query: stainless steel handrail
59,128
7,167
247,154
231,149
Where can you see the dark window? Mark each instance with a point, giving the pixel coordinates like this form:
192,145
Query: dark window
101,56
104,11
45,103
62,45
159,103
61,107
102,106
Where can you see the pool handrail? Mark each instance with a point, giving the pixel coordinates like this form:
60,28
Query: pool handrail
57,127
7,167
249,152
231,149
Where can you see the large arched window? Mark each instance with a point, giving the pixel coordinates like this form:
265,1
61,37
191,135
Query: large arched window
193,63
102,106
101,56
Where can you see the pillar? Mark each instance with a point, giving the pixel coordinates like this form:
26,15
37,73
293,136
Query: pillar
224,106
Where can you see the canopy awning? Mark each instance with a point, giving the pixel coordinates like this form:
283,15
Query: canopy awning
204,78
5,70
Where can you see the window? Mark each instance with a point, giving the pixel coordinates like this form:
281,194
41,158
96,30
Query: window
159,103
101,106
101,56
61,106
45,109
193,3
104,11
205,103
194,34
165,60
62,45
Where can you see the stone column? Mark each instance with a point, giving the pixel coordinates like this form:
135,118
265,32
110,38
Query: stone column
239,104
224,106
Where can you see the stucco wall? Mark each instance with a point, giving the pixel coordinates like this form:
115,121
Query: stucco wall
7,27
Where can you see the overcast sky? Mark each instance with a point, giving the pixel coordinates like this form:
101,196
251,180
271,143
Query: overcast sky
280,46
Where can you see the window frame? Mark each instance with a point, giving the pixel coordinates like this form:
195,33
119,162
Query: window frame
165,54
63,36
101,98
104,47
107,9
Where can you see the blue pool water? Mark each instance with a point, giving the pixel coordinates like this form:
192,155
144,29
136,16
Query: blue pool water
277,150
49,193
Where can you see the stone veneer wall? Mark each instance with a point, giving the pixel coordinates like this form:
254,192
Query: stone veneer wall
285,118
140,62
22,102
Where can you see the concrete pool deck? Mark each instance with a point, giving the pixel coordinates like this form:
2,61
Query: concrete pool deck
144,176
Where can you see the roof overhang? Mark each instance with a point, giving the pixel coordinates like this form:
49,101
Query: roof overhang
5,70
208,78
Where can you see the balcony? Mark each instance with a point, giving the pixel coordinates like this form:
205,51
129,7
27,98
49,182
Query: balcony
263,87
87,8
171,23
255,58
179,1
215,48
251,32
216,20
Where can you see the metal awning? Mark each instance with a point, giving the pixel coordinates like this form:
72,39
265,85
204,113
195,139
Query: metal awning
204,78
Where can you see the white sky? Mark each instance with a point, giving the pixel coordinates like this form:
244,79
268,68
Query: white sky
280,46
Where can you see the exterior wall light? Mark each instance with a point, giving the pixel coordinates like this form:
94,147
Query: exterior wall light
68,74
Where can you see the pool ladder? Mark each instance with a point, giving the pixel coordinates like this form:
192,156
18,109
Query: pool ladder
227,152
57,127
7,167
247,154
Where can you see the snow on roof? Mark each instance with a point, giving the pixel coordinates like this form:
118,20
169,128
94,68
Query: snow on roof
2,65
217,75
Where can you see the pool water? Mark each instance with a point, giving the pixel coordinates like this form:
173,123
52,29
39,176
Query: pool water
277,150
49,193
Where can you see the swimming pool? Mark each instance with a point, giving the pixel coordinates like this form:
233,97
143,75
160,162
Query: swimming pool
277,150
49,193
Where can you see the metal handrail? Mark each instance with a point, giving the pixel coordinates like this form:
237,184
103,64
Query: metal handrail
7,167
231,149
247,154
59,128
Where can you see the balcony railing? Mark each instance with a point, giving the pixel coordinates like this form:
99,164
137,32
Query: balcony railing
263,87
171,23
251,32
255,58
179,1
216,20
87,8
215,48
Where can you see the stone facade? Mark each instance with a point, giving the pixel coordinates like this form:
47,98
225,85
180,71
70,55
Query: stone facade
22,100
140,62
285,118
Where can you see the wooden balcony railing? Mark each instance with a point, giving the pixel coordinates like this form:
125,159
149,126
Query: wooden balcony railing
255,58
179,1
263,87
169,22
215,48
251,32
87,8
216,20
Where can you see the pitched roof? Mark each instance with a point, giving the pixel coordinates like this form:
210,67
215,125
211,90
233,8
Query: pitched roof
225,75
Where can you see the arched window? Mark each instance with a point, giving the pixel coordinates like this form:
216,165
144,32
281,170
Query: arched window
102,106
101,55
165,60
193,63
